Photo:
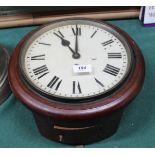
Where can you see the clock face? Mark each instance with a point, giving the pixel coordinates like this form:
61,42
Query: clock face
75,59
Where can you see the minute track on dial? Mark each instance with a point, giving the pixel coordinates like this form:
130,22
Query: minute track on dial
65,44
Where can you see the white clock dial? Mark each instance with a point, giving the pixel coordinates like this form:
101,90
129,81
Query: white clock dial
76,59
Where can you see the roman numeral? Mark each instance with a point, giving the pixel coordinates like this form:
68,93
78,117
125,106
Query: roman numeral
98,82
60,35
76,88
111,70
114,55
93,34
76,31
38,57
45,44
55,82
42,71
107,42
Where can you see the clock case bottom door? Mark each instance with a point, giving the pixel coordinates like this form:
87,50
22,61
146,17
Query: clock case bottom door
78,132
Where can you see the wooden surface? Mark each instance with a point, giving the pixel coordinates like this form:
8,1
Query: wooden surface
46,17
80,133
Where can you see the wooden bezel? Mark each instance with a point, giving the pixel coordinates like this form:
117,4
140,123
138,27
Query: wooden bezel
95,109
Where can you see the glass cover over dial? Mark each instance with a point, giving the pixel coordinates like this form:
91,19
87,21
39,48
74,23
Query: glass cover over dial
75,59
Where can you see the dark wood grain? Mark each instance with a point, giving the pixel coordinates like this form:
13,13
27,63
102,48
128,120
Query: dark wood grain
22,16
78,132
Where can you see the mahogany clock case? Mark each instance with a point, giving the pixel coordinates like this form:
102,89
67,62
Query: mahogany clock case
78,123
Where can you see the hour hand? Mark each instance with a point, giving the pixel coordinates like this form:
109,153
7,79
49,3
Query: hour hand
65,42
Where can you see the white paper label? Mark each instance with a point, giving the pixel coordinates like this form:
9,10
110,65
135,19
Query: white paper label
149,16
82,68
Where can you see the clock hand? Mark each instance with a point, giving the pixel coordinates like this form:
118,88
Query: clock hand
66,43
76,54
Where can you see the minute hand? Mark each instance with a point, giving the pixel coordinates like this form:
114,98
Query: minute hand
76,55
76,40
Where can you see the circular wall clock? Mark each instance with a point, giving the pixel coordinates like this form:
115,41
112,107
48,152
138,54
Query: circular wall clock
76,75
